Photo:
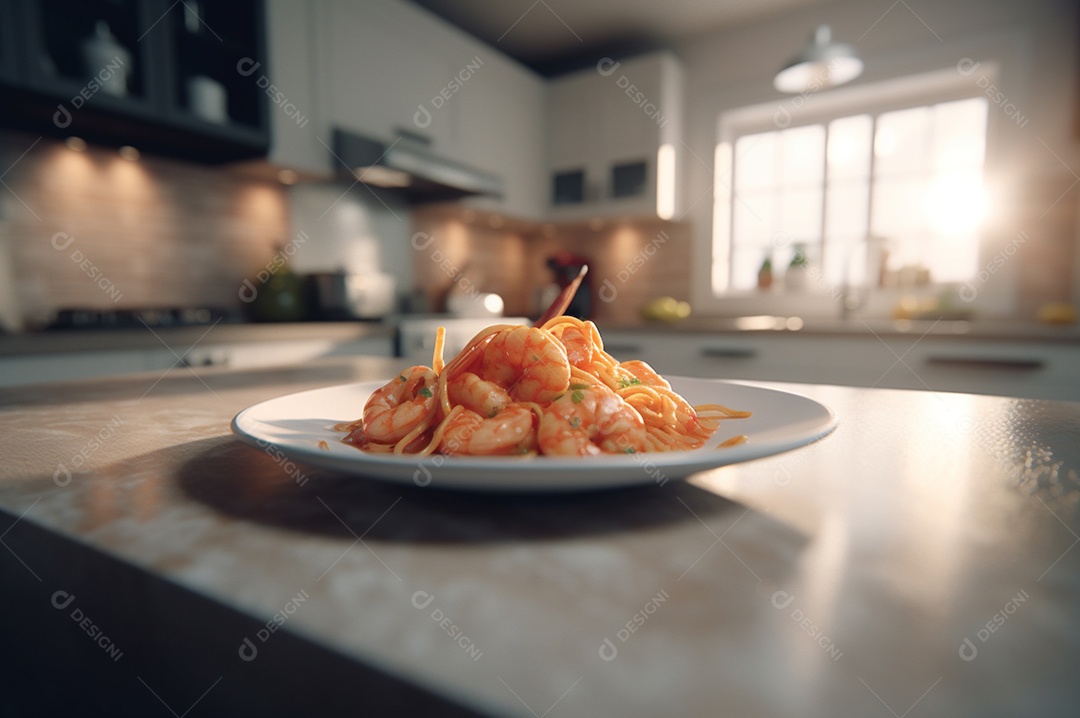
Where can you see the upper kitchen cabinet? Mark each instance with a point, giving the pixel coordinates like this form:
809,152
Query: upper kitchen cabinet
377,70
499,127
164,77
9,62
296,132
614,139
387,68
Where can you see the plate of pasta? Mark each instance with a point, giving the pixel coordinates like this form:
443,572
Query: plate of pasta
541,408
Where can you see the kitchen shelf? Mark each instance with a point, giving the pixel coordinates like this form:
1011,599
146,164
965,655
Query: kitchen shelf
45,87
55,31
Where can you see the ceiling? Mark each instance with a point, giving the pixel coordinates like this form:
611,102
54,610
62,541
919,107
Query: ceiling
555,36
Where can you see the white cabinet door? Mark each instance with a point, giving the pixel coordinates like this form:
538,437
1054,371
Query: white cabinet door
597,121
297,123
569,128
626,129
499,128
376,69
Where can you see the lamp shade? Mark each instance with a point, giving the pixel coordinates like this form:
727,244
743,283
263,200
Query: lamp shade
821,65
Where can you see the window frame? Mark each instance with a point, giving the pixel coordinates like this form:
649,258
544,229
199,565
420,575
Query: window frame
921,89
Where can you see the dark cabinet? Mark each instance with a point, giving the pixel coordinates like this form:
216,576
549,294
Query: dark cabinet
165,77
9,71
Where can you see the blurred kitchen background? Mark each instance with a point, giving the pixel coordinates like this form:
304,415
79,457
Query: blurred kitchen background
323,178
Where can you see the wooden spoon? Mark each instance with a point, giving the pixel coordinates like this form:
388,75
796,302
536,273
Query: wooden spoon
558,307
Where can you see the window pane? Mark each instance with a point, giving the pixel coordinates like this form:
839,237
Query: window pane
755,161
754,218
845,259
955,203
800,215
959,130
802,155
745,267
901,142
898,208
849,147
846,209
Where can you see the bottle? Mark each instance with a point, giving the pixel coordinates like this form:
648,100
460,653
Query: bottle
107,61
281,294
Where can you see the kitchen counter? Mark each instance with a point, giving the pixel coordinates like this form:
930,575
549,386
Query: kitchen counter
855,326
82,340
921,560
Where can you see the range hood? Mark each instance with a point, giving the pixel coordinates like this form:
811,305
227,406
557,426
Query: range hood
408,166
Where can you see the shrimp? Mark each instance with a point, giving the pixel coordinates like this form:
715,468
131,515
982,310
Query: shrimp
482,397
401,406
589,420
528,362
511,431
579,347
644,374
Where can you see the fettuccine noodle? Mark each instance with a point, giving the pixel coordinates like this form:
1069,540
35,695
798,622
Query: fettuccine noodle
516,390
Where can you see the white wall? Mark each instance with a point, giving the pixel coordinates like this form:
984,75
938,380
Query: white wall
351,229
1034,41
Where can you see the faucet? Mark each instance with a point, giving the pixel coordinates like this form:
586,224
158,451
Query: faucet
877,255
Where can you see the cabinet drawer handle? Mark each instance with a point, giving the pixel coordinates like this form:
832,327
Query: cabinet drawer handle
729,352
987,362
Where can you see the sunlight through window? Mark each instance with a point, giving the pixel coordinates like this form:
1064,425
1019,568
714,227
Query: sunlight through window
912,179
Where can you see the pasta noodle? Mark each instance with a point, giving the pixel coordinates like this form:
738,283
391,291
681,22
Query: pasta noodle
516,390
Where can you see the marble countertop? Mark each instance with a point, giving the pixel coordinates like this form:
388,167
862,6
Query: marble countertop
921,560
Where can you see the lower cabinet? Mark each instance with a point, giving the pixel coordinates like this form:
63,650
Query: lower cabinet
1036,370
46,368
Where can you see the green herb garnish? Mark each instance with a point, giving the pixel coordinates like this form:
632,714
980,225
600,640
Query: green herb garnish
575,422
629,450
426,392
623,383
579,387
577,396
401,377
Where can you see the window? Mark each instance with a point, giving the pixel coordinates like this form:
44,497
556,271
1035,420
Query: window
892,197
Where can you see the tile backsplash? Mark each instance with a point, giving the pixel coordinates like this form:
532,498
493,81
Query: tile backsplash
90,229
93,230
629,262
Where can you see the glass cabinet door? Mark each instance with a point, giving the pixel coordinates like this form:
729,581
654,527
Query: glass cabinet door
215,45
93,50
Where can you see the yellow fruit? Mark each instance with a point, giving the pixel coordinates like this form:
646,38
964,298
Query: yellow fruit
1057,313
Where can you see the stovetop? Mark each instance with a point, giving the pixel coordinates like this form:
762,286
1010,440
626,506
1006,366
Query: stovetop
140,317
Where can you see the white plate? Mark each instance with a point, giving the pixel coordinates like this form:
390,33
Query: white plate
295,424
